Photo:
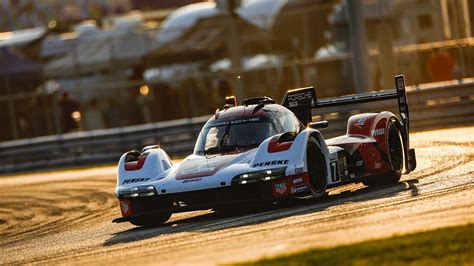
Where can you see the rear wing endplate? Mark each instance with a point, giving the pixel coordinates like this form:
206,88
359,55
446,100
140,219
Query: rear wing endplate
302,101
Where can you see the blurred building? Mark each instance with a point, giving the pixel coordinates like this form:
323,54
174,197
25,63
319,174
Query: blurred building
23,14
170,59
161,4
395,31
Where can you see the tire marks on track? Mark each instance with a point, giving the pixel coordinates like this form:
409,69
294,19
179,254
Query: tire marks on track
55,211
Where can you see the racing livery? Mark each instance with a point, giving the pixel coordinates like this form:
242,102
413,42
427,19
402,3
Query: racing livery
262,151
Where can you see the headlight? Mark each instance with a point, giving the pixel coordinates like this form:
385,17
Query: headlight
259,176
135,192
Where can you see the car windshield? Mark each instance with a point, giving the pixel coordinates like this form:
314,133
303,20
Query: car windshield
227,136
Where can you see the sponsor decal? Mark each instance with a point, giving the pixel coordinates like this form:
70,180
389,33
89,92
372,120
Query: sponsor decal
298,170
125,207
334,171
378,132
297,180
298,189
400,83
135,180
280,188
269,163
295,99
378,165
192,180
236,122
360,122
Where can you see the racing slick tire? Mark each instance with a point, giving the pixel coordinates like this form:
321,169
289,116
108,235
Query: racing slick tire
396,158
150,220
316,169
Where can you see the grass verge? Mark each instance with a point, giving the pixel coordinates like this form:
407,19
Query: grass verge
446,246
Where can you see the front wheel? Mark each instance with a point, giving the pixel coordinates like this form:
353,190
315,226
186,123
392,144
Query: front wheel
316,168
150,220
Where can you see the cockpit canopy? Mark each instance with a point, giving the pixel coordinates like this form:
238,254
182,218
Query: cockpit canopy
241,133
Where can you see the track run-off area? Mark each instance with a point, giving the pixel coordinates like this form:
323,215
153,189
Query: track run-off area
65,216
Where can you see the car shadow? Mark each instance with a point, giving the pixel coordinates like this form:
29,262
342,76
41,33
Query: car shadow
213,221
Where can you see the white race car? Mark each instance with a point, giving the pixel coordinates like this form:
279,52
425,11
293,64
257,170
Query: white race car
265,152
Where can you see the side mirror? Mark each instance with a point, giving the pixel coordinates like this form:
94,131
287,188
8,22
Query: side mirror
230,101
319,124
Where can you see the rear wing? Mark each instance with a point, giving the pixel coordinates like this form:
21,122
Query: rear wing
302,101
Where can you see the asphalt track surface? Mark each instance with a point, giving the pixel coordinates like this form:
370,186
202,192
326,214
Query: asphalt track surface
65,217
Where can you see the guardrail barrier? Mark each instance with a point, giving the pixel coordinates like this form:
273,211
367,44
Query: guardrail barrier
431,106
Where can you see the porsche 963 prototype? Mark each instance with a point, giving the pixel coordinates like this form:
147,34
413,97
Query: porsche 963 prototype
261,151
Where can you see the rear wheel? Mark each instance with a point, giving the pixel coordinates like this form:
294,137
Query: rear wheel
316,168
151,220
395,157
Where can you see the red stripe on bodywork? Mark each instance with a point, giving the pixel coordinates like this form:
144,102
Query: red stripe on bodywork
276,146
136,165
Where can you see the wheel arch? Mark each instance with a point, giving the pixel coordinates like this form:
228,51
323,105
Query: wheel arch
296,154
324,149
155,162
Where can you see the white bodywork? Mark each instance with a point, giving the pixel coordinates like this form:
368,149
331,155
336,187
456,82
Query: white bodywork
159,171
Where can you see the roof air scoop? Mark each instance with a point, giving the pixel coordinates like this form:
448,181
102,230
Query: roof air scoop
258,100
